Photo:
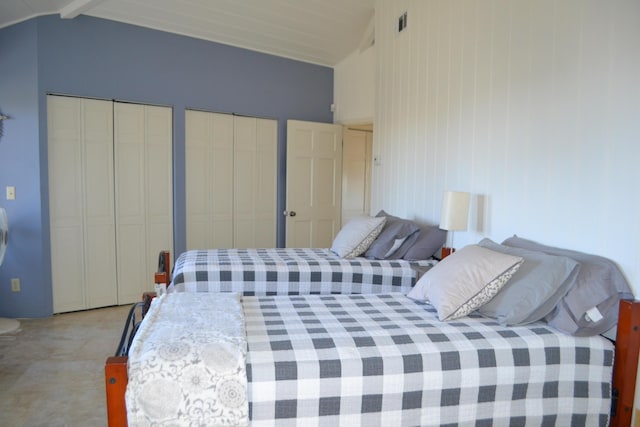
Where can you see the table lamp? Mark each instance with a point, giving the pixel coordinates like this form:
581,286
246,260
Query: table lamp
454,215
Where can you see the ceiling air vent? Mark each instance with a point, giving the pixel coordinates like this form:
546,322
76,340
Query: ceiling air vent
402,22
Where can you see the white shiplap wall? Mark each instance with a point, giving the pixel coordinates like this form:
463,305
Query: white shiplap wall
533,106
353,88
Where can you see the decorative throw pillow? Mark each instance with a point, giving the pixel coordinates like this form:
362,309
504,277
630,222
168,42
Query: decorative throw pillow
535,289
357,235
394,234
465,280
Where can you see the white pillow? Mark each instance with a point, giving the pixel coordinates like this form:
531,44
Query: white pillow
465,280
357,235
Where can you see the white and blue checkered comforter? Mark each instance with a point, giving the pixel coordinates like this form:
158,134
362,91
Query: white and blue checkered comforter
386,360
288,271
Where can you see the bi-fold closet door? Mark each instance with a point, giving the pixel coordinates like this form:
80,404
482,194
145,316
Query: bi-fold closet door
231,181
110,199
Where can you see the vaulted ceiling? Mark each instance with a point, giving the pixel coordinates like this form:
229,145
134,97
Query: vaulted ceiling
318,31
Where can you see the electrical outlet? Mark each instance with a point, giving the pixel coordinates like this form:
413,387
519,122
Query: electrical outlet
15,284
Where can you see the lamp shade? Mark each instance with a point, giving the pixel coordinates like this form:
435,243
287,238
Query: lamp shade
455,210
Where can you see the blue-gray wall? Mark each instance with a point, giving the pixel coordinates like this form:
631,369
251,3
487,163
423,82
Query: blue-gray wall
98,58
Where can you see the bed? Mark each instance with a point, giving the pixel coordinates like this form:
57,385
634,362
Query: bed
377,254
370,359
290,271
386,360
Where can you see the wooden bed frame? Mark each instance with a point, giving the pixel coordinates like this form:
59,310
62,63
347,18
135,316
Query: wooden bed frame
625,367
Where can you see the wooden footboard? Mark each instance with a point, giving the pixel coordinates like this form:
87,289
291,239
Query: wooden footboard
163,275
115,368
626,363
116,379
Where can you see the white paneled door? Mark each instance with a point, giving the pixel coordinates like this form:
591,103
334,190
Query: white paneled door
356,173
109,218
314,183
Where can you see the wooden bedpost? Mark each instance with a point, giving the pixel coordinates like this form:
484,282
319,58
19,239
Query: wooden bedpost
626,363
163,275
116,375
116,379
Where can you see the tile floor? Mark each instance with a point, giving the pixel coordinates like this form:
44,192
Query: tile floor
52,370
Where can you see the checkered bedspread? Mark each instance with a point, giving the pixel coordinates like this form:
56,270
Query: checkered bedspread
289,272
385,360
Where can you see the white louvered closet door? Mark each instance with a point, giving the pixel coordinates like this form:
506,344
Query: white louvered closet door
209,180
144,199
80,150
231,164
110,199
254,182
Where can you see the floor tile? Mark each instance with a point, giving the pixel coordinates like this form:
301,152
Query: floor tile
52,370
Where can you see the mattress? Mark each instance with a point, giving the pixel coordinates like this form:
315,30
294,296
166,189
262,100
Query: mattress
288,271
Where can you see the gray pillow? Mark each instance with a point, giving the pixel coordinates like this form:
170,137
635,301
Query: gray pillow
425,244
591,305
394,234
534,290
465,280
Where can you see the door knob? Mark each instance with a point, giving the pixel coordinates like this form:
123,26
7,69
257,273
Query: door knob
292,213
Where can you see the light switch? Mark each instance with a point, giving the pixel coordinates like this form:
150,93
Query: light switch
11,193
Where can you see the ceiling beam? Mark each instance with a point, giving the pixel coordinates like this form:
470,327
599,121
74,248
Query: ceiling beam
77,7
369,35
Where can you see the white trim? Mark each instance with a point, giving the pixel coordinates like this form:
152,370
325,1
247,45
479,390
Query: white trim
77,7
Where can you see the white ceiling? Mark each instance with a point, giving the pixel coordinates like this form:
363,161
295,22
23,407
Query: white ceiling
317,31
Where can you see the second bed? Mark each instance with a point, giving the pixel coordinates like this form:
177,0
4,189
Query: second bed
291,271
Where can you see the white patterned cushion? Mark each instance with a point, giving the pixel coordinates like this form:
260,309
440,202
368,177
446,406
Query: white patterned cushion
465,280
357,235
